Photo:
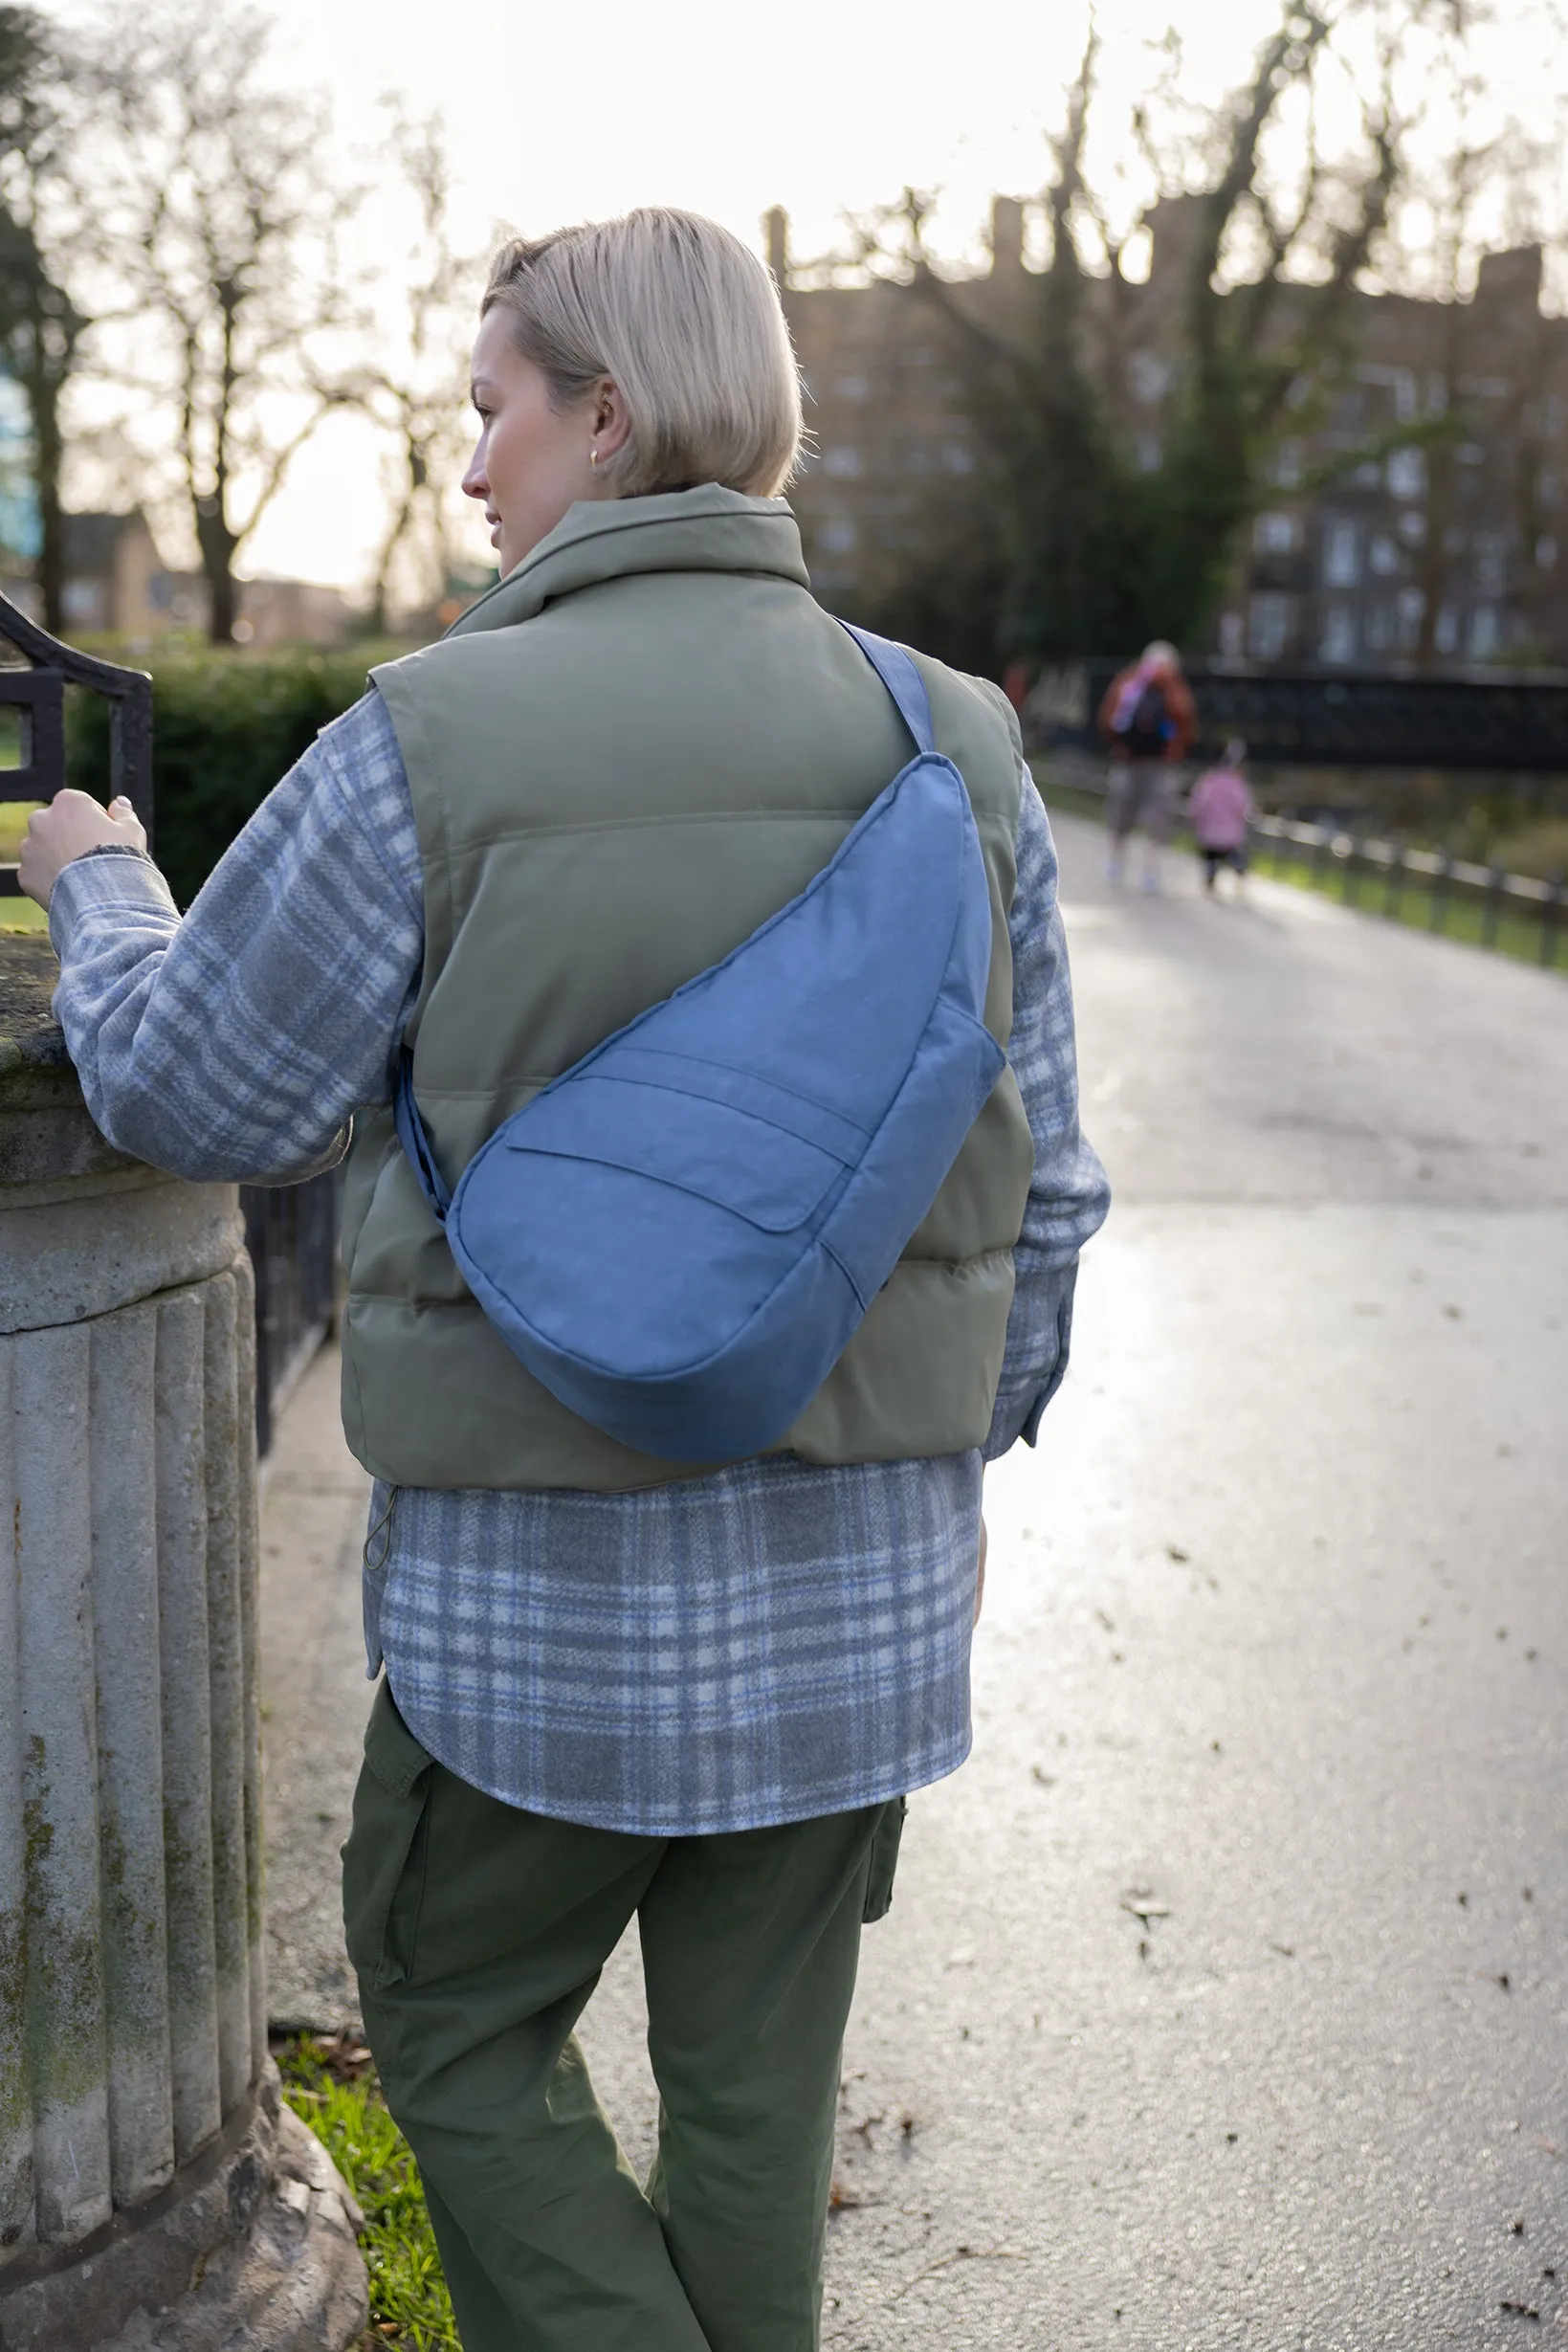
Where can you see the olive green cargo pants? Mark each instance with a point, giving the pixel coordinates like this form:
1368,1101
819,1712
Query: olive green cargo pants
479,1932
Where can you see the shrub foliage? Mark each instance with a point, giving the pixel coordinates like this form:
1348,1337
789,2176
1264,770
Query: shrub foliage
225,728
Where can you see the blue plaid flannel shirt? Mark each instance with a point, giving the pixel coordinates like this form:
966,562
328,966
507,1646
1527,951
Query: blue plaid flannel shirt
770,1643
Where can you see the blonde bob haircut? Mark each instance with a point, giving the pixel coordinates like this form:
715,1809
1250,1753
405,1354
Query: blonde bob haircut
686,320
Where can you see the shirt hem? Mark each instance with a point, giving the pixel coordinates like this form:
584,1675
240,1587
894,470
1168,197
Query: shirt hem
814,1804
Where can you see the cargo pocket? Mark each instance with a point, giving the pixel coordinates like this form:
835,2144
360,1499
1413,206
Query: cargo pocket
885,1837
383,1860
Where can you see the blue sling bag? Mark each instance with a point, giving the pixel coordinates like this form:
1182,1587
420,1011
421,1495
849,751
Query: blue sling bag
679,1236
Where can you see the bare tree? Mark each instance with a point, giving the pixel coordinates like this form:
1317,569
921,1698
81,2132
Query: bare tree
418,389
42,124
217,211
1115,528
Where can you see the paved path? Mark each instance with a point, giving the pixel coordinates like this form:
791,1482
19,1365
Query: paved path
314,1697
1224,1999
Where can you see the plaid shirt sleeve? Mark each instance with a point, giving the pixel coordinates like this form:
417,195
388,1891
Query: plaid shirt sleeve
1068,1195
235,1043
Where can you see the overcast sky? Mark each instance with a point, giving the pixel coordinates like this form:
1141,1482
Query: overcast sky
728,107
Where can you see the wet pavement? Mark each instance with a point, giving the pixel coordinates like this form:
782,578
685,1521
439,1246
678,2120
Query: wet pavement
1223,1998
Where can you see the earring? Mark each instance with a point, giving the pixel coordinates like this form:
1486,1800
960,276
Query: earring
593,458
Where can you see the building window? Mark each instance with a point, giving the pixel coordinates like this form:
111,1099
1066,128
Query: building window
1413,528
958,458
1379,628
1491,563
82,602
1484,633
1412,604
1276,534
1382,554
1446,635
1232,635
842,458
1407,473
854,388
838,537
1288,467
1341,559
1149,377
1546,552
1338,633
1267,626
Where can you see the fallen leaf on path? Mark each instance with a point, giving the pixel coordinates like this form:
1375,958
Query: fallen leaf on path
960,2253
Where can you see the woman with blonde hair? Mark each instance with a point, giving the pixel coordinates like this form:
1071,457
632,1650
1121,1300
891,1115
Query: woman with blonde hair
619,1684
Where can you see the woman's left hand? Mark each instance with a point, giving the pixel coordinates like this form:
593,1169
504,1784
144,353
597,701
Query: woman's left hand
73,823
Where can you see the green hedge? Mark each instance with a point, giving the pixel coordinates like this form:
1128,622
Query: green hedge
226,727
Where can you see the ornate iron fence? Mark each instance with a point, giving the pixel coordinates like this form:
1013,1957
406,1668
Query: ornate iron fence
291,1230
1513,725
35,669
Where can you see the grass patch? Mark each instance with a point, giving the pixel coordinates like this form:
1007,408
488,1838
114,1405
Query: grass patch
17,913
13,818
331,2085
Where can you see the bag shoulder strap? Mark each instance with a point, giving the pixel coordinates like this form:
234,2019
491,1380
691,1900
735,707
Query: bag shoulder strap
902,680
412,1134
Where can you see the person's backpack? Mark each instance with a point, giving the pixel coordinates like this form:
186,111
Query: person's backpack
679,1236
1149,725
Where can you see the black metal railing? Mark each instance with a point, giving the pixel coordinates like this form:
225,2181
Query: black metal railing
35,669
1309,718
292,1230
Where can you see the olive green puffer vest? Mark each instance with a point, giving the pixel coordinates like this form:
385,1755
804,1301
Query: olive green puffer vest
625,756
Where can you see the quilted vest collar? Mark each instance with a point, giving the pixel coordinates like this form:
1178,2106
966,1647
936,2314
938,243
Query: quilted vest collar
705,530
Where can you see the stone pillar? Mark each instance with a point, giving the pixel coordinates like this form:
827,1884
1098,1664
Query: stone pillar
153,2191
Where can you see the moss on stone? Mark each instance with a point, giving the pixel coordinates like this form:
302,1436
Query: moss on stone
30,1036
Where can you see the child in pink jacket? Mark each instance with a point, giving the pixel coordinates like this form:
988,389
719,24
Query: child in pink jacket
1220,808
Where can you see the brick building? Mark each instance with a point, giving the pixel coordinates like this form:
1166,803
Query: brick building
118,585
1447,549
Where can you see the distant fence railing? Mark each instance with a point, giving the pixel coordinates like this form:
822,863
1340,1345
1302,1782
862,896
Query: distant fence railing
1450,896
1389,878
291,1231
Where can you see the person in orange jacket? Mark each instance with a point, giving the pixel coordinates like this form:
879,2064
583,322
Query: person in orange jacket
1149,721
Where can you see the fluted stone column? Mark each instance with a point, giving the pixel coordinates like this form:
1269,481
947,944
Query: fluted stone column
153,2193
